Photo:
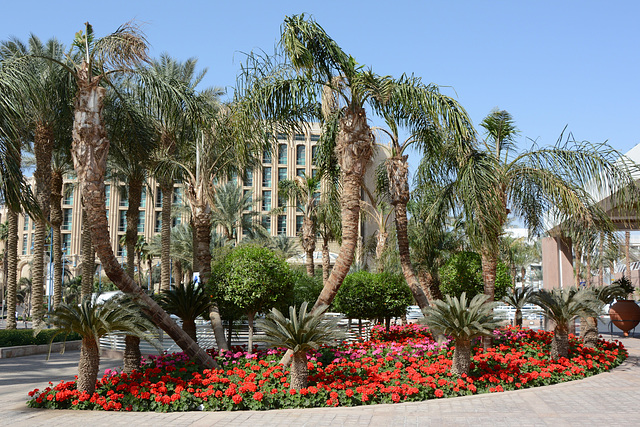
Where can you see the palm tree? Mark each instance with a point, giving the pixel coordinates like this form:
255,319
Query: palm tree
232,209
304,192
560,181
286,246
377,209
301,332
316,69
45,107
517,299
426,114
93,320
97,60
563,306
188,303
329,227
463,320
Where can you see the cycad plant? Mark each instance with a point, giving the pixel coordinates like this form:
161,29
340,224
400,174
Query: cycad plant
463,320
562,306
93,320
517,299
301,332
605,295
188,303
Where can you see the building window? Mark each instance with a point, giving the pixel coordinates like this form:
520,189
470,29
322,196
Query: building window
314,154
314,172
248,194
122,221
300,172
158,197
26,223
248,178
107,195
158,225
266,200
66,243
143,198
25,242
176,221
300,153
67,194
177,196
66,219
282,136
282,202
282,174
234,178
282,224
282,154
124,197
122,251
315,137
266,156
266,177
141,222
246,221
300,137
299,221
266,223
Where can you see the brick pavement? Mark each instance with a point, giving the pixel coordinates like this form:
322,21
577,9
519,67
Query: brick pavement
609,399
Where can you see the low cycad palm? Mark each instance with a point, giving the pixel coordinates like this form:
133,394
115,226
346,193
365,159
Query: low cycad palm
301,332
605,295
93,320
517,298
463,320
562,306
188,303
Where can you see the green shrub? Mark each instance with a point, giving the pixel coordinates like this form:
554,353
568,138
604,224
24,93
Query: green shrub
463,273
15,337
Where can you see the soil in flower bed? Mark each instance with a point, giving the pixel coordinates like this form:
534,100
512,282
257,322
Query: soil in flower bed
404,365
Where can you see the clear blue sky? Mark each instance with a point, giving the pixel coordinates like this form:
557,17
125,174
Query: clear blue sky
549,63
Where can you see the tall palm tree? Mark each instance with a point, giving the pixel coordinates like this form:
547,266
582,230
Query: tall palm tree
61,164
97,60
377,209
188,302
304,192
316,69
463,320
329,226
517,299
232,209
556,183
45,106
427,115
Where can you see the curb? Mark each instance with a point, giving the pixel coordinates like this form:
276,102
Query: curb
29,350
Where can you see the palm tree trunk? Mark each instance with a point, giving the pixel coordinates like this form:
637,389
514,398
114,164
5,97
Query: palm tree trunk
132,356
326,261
398,173
131,235
578,261
12,267
589,281
250,316
88,365
518,317
354,149
430,285
89,149
381,244
489,267
201,214
88,257
299,371
601,255
56,223
43,145
309,243
166,187
589,331
461,357
560,342
177,267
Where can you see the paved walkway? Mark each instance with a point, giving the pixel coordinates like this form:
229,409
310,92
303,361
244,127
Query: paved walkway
609,399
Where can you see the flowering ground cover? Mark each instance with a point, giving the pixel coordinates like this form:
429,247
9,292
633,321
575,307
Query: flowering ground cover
403,365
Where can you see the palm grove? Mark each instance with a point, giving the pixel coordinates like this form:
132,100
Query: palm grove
107,110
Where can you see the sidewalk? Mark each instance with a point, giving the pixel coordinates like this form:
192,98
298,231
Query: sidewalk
609,399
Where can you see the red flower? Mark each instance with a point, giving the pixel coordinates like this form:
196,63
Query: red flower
237,398
258,396
439,393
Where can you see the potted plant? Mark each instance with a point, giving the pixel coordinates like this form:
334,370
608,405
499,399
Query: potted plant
625,313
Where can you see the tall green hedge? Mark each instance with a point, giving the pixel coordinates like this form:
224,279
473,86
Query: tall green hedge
15,337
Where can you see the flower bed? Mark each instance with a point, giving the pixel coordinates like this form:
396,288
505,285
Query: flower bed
401,366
